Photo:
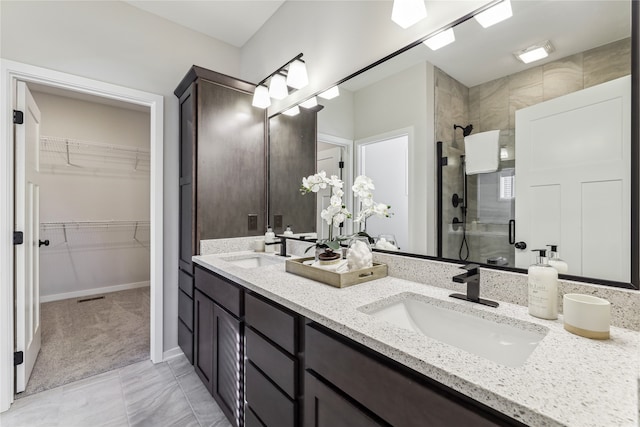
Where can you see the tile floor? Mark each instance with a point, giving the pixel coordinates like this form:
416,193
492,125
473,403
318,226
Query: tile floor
142,394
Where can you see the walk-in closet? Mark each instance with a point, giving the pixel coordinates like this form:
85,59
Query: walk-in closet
94,159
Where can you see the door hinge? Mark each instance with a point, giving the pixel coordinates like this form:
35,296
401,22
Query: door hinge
18,237
341,164
18,358
18,117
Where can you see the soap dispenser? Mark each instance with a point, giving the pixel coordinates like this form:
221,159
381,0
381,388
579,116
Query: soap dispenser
555,261
288,231
269,237
543,288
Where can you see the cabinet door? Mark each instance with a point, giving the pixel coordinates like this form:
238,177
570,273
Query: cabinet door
187,210
203,315
326,408
227,364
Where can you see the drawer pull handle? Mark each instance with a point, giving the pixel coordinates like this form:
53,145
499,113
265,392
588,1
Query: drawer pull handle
366,274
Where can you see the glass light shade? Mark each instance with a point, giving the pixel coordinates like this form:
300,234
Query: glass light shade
309,103
293,111
495,14
532,55
441,39
297,76
407,12
278,87
330,93
261,97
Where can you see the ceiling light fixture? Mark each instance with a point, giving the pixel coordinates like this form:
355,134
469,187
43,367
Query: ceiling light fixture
535,53
261,97
330,93
441,39
309,103
408,12
297,75
293,111
495,14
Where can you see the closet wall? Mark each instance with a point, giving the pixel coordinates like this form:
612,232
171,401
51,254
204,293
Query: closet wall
94,197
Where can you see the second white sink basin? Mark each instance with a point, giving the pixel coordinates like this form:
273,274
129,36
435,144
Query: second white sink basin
253,261
494,340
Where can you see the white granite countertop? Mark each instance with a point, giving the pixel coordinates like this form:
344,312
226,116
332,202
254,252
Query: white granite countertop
567,380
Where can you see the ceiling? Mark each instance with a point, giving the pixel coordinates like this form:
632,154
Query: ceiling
233,22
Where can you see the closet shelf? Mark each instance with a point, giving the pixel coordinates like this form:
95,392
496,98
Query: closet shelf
78,156
96,231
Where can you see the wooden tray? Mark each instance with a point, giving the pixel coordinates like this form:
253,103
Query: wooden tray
337,280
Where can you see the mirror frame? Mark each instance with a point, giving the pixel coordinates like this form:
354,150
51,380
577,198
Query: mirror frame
635,153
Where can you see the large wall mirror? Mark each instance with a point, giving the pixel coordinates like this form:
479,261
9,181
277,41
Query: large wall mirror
557,150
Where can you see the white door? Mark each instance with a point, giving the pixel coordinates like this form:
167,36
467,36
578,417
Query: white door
386,162
27,220
328,161
573,172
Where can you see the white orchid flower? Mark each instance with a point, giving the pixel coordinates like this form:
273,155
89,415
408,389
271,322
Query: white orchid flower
381,209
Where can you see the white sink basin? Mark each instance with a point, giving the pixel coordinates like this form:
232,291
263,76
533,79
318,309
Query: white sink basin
491,339
253,261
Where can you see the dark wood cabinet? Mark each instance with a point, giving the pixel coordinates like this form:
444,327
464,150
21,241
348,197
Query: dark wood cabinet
222,169
219,343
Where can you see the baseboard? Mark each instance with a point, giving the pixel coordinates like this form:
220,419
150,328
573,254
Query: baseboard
94,291
171,353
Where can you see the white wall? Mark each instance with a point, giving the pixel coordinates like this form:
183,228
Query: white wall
96,257
117,43
337,38
399,102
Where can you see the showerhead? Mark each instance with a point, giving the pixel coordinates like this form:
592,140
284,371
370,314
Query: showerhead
466,131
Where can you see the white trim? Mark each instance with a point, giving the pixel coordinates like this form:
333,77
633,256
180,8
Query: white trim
10,72
347,144
172,353
94,291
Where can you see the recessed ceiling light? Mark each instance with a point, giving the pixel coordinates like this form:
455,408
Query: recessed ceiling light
441,39
534,53
330,93
408,12
495,14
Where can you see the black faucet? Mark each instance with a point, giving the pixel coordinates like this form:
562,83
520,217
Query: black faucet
283,245
472,278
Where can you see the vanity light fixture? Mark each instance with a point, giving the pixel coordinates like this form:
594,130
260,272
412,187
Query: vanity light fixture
278,87
297,75
495,14
408,12
261,97
535,53
330,93
309,103
293,111
441,39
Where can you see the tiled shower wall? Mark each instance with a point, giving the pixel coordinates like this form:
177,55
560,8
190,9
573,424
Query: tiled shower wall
492,105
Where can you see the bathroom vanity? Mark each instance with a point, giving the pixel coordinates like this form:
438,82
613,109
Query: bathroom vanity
278,349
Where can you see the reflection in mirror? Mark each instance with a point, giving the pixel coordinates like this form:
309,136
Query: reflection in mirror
563,171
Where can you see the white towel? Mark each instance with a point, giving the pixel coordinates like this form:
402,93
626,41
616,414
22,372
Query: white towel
482,152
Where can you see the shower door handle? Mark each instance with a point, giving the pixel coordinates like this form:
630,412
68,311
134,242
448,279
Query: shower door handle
512,231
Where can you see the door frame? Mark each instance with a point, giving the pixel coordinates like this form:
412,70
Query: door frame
348,177
10,73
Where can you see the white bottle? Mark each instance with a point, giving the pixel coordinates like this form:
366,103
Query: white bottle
269,237
543,288
288,231
555,261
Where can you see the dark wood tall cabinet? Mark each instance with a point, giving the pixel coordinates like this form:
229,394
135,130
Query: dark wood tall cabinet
222,190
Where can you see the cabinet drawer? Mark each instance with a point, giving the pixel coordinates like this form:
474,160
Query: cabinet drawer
185,309
268,403
274,323
224,293
400,398
185,282
185,340
276,364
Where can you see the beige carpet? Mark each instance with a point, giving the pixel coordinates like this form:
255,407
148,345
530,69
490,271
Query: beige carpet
82,339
